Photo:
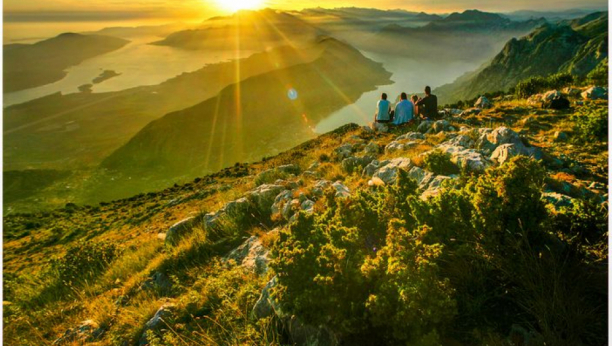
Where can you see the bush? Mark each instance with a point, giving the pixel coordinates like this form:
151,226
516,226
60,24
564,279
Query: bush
440,163
364,273
591,124
599,75
535,85
83,261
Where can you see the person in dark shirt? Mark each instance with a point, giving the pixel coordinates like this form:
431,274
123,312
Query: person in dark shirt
428,105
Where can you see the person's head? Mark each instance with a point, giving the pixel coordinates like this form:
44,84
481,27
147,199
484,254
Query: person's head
403,96
415,98
427,90
384,96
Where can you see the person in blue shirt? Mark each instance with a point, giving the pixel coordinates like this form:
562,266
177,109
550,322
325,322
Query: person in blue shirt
404,110
383,110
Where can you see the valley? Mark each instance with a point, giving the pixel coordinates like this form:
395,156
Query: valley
76,134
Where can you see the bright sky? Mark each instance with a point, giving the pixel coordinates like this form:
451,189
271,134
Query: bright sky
206,8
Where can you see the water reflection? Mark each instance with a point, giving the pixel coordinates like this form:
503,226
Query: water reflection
410,76
138,63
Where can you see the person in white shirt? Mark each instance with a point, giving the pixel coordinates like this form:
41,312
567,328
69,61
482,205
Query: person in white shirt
383,110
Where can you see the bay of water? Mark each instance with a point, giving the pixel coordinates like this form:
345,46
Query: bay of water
139,63
408,76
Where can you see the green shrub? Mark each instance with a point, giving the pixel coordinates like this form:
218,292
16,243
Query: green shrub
362,272
83,261
599,75
440,163
591,123
538,84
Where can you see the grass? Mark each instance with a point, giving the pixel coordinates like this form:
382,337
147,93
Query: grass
38,311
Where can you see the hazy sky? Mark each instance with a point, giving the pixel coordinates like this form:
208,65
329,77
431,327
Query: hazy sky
207,8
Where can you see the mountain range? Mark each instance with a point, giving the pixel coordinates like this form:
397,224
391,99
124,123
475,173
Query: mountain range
470,36
575,47
244,30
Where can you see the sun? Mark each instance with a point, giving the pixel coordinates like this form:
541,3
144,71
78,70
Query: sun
235,5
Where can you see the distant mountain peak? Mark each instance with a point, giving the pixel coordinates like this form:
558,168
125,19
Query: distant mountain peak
474,15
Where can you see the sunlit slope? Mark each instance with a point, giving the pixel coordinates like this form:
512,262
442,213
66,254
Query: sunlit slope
31,65
247,30
247,121
576,47
76,130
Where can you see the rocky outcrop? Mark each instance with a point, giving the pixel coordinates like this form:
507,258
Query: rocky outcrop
263,196
343,151
425,126
341,189
396,146
157,322
388,172
88,331
595,93
356,163
251,255
483,103
176,231
469,160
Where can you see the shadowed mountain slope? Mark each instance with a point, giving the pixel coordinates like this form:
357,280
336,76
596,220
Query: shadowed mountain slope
576,47
258,117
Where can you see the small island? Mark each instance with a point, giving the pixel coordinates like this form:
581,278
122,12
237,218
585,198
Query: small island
105,75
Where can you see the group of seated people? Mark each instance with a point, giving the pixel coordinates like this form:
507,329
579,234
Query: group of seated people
407,111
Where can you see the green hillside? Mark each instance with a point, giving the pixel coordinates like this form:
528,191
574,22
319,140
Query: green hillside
482,229
30,65
81,129
575,47
245,122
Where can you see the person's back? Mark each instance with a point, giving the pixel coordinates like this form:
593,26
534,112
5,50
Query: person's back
383,110
428,105
404,111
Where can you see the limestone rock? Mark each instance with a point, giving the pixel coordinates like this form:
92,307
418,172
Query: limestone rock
341,190
355,163
176,231
471,111
388,173
266,306
441,125
263,196
399,146
344,151
372,149
371,168
425,126
88,331
461,141
411,136
466,159
595,93
252,255
157,322
483,103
